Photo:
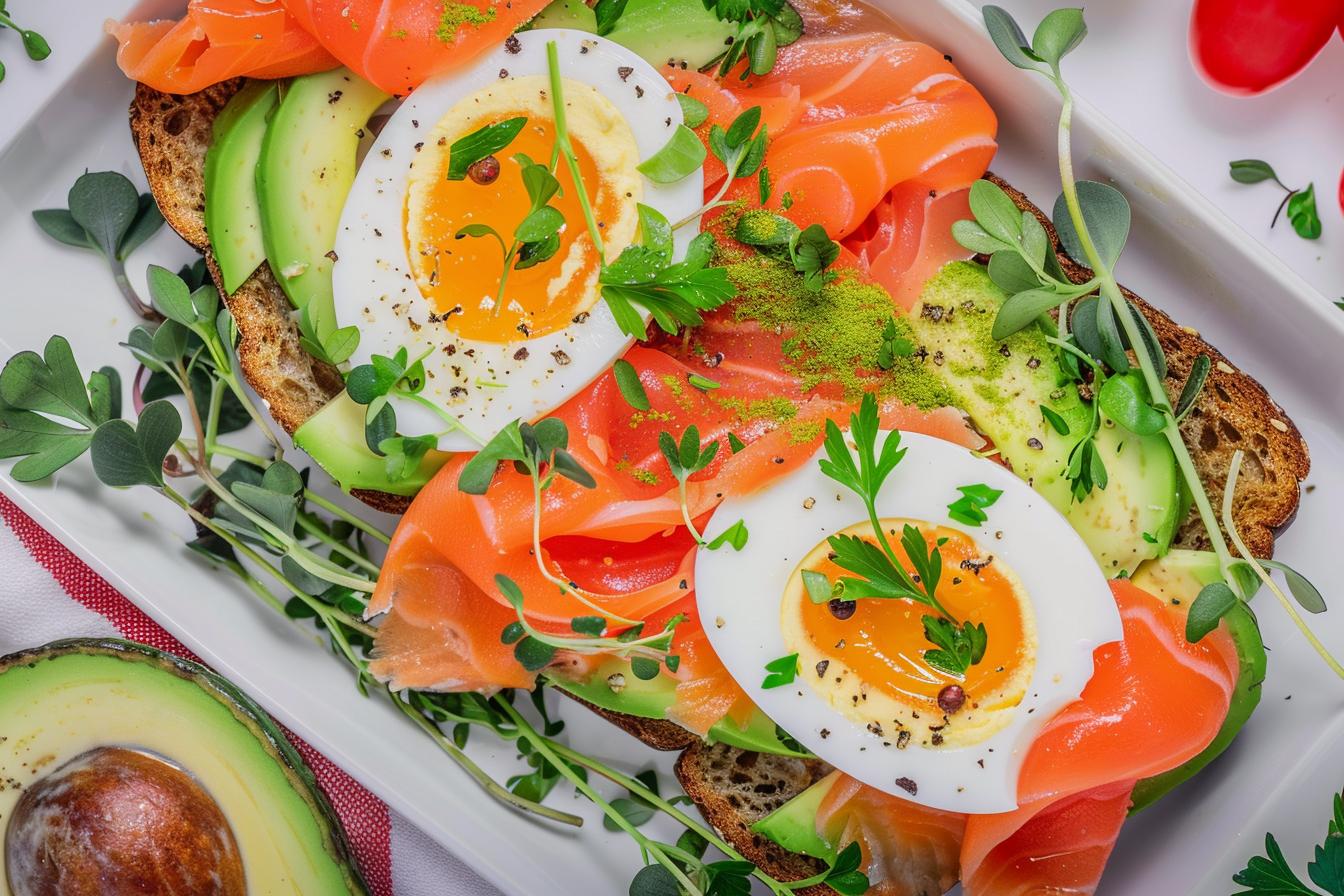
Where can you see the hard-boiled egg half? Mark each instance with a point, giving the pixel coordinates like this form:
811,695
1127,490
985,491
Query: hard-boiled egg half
406,278
865,698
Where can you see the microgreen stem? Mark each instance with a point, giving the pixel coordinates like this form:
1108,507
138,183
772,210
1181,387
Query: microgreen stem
544,746
711,204
441,412
686,513
491,786
309,525
638,789
324,611
128,292
565,587
341,513
1229,521
1110,291
566,149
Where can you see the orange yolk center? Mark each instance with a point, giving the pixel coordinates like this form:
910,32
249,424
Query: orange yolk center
883,641
461,277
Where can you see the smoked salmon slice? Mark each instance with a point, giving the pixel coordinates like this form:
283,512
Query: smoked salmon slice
908,238
1154,701
397,44
217,40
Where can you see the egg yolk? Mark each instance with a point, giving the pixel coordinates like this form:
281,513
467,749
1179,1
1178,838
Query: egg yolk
461,277
883,642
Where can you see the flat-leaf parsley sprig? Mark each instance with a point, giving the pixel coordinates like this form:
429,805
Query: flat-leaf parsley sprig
1093,222
1271,875
878,570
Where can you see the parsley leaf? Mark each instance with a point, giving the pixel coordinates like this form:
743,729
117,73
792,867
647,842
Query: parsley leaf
673,293
782,672
893,345
1270,874
970,507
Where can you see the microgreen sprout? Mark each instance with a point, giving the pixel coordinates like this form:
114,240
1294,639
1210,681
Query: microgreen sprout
34,44
685,458
1093,221
1300,203
741,149
763,26
108,215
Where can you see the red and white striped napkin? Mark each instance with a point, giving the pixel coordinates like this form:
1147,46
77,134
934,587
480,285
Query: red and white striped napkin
47,593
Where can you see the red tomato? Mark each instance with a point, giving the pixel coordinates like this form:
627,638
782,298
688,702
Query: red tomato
1250,46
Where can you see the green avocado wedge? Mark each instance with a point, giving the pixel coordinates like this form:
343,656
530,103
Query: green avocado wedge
1179,576
794,824
660,31
651,699
334,437
1003,385
232,209
61,701
304,174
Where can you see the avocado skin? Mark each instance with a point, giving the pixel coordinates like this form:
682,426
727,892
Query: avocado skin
1002,385
232,210
334,437
269,737
659,31
651,699
794,824
304,175
1179,576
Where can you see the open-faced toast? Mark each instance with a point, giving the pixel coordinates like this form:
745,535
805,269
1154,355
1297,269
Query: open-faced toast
732,787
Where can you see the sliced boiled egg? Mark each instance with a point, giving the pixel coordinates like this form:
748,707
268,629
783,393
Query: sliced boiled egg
405,277
866,698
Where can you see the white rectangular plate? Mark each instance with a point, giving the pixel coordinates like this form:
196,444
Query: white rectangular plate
1183,255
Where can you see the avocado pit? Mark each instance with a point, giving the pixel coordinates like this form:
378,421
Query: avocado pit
114,821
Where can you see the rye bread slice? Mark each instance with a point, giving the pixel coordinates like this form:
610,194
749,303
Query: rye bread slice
172,134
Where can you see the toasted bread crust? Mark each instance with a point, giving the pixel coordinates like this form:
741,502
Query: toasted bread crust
1233,411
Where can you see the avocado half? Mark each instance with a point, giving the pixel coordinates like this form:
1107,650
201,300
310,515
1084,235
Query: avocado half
76,709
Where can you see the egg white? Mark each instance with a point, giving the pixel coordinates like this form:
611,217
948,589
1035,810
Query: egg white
372,271
739,595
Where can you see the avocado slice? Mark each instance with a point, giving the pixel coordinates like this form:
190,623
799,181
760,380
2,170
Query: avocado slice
651,699
61,701
794,824
1178,577
660,31
232,210
304,174
1003,385
334,437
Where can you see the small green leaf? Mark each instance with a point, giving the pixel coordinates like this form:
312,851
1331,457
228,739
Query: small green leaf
627,381
995,212
170,295
654,880
1213,602
1251,171
1302,213
782,671
1194,384
1011,273
1124,399
607,13
742,128
50,383
1022,309
105,204
735,535
124,456
644,668
763,185
467,151
702,383
593,626
1306,594
813,251
655,231
1057,423
534,654
1107,216
693,112
818,586
1059,34
148,220
972,236
60,225
1008,37
539,225
341,344
681,156
478,472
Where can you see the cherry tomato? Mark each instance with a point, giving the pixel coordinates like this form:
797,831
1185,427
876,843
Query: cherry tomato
1251,46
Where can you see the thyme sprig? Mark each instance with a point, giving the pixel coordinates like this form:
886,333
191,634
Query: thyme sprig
1093,222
